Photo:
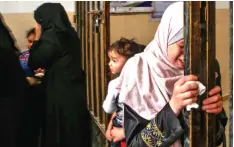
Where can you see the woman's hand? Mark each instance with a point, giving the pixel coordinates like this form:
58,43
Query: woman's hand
37,32
184,93
39,73
118,134
214,103
39,70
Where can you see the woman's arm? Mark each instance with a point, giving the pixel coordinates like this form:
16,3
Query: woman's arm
44,51
163,130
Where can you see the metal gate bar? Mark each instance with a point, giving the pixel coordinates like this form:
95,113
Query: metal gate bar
199,56
94,42
93,64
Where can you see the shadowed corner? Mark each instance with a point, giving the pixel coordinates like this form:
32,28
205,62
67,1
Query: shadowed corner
6,28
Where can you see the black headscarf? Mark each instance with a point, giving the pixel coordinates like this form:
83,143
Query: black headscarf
7,40
52,15
53,19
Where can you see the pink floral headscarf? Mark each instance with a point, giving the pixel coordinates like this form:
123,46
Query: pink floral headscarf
147,79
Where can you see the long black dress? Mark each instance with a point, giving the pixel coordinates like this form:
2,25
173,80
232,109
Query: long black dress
67,121
13,99
14,93
165,128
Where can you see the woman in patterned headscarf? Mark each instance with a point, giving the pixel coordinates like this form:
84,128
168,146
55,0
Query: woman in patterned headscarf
154,89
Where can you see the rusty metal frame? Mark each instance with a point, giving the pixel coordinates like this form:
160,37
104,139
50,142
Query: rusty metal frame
199,56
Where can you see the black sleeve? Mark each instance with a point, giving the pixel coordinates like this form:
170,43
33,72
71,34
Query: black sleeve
222,117
162,131
44,52
12,78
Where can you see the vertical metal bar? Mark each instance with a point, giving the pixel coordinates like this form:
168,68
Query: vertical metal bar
77,18
93,59
187,43
196,135
88,58
80,23
199,54
231,75
99,56
210,58
86,67
84,34
106,43
97,69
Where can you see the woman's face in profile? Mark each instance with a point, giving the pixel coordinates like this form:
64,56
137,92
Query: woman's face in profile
176,54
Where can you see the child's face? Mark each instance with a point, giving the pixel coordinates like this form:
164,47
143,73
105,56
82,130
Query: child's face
117,62
176,54
30,40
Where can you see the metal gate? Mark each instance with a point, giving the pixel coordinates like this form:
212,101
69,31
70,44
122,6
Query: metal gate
93,27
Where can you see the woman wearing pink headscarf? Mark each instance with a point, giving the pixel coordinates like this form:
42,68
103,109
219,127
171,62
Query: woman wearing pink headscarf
154,89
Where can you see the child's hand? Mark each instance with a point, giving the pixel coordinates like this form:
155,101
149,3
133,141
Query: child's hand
108,135
213,104
118,134
184,94
31,80
108,131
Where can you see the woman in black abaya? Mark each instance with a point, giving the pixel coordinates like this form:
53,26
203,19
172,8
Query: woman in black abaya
57,50
14,93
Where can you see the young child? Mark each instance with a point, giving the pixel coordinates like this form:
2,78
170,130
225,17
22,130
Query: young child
30,36
24,55
119,52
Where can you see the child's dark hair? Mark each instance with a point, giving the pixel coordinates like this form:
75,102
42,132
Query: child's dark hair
30,32
126,47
